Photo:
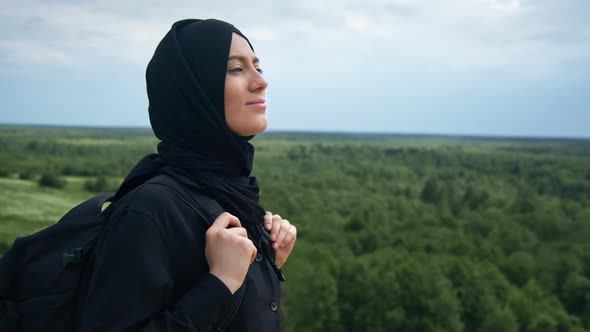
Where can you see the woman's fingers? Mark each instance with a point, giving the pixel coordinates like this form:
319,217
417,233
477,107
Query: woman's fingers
276,227
283,231
228,251
240,231
268,221
289,237
224,220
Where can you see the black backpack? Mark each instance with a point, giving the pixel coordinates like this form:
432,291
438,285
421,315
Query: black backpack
40,275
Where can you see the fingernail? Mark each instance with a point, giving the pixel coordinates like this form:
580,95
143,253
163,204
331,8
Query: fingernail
275,245
273,236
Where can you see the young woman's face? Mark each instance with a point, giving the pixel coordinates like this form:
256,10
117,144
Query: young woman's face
245,106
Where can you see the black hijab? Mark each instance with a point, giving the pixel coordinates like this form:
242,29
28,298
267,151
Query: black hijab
185,84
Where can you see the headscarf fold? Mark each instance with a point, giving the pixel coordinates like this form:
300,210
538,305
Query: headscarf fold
185,84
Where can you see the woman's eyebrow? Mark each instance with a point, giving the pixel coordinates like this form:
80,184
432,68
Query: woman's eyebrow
243,58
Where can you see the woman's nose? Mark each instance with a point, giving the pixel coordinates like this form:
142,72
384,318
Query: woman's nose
259,83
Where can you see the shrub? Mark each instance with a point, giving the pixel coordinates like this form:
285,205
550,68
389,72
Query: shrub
26,175
51,180
100,184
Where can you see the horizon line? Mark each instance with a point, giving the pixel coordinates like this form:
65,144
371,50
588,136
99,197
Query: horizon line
327,131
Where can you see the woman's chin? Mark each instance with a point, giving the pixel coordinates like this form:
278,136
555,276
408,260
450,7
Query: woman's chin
258,127
253,130
263,126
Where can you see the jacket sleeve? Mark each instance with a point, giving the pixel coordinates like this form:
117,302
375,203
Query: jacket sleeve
131,284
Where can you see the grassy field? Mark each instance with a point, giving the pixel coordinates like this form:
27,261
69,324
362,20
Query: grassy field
26,207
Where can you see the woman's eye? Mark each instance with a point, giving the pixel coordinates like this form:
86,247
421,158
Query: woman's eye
240,69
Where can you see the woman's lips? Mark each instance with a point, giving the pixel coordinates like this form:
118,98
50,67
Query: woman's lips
260,101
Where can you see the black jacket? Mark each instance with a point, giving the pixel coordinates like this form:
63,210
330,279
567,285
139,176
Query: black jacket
150,272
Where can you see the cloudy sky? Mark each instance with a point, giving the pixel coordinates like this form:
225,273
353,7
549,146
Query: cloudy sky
483,67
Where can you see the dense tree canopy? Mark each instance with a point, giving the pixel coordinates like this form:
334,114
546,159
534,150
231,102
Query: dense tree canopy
396,233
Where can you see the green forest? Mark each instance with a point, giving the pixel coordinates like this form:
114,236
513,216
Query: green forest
396,232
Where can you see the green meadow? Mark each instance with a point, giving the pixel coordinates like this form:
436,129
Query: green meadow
396,232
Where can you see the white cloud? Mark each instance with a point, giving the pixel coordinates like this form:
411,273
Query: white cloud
456,34
28,52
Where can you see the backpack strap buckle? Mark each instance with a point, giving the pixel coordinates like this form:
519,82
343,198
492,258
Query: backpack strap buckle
75,256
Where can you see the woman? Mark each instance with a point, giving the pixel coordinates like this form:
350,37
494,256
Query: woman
158,267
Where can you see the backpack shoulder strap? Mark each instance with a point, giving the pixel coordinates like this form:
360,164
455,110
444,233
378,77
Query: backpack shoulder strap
212,210
208,207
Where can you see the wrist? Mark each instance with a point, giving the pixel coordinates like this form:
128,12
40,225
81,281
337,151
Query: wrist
231,284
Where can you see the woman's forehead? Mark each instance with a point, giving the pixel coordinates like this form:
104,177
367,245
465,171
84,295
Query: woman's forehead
240,46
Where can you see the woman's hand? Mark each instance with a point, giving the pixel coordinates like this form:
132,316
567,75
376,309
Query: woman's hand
228,250
283,236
